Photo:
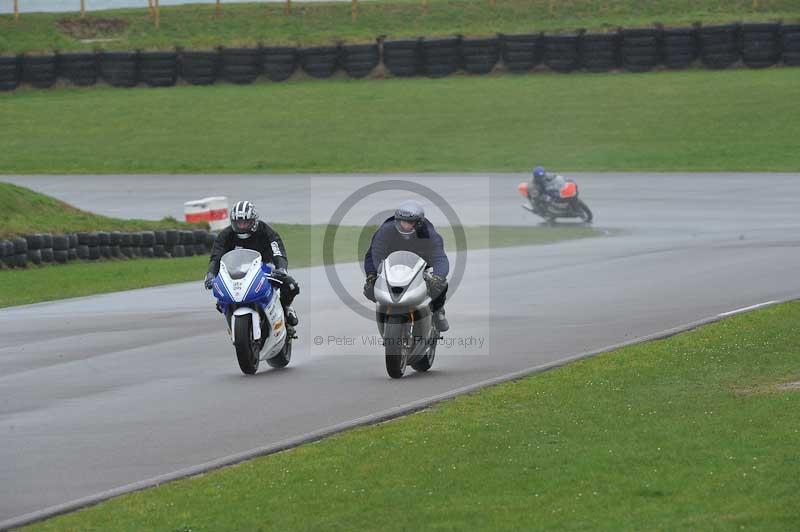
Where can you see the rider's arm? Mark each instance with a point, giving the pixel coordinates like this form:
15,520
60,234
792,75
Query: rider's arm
277,249
219,248
439,261
370,268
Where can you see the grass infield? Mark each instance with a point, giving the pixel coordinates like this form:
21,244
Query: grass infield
195,26
695,432
736,120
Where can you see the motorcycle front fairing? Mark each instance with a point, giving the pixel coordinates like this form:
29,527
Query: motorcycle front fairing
243,287
401,290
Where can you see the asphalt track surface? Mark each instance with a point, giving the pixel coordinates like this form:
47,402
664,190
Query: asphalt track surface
106,391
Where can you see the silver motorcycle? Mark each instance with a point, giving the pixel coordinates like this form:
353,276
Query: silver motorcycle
405,321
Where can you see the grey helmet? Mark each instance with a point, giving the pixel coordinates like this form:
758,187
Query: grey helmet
409,211
244,219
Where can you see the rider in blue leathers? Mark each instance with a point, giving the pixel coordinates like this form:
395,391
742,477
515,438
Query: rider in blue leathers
409,230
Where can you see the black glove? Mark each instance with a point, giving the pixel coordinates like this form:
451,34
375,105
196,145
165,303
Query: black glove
369,287
436,285
280,274
209,282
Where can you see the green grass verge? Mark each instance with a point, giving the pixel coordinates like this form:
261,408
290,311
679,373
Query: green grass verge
195,26
303,246
694,432
23,211
738,120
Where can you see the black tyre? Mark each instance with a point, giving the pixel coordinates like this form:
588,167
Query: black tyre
60,256
281,360
394,336
35,256
246,347
60,243
34,241
47,255
426,362
586,213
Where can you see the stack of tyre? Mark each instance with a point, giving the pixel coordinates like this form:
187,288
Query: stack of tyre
200,67
80,69
9,73
441,57
158,69
358,60
402,58
790,42
719,45
640,49
279,62
561,52
480,56
119,69
599,52
760,44
40,71
679,46
521,53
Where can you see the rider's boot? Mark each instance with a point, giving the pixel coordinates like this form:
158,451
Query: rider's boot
440,320
291,316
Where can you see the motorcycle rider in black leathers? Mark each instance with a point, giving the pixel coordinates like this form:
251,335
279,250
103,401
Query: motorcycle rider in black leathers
409,230
248,232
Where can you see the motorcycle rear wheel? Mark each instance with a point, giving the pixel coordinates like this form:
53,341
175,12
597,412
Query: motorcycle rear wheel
281,360
246,347
426,362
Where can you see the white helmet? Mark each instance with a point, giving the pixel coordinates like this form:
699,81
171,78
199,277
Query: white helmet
244,219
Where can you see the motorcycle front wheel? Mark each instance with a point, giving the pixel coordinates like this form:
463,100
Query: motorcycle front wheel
584,212
246,346
394,337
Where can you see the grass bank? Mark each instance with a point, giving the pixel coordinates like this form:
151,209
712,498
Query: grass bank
23,211
303,245
195,26
696,432
739,120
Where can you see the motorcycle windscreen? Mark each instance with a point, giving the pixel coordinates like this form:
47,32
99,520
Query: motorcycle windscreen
239,261
400,267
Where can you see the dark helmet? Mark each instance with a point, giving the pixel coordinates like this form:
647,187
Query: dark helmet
539,172
409,211
244,219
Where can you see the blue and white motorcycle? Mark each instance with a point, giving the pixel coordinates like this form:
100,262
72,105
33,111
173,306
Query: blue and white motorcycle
251,306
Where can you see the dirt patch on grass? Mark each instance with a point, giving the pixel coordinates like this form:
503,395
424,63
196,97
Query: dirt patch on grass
90,28
795,386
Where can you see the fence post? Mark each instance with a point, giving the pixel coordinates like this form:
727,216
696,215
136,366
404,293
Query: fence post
158,15
354,10
288,7
425,6
16,10
83,8
218,9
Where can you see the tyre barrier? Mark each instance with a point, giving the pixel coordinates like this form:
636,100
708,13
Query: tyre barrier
790,40
441,57
719,46
9,73
521,53
279,62
599,52
44,248
359,60
240,65
679,47
200,68
39,71
158,69
119,69
760,44
403,58
319,62
640,49
480,56
637,50
561,53
79,69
